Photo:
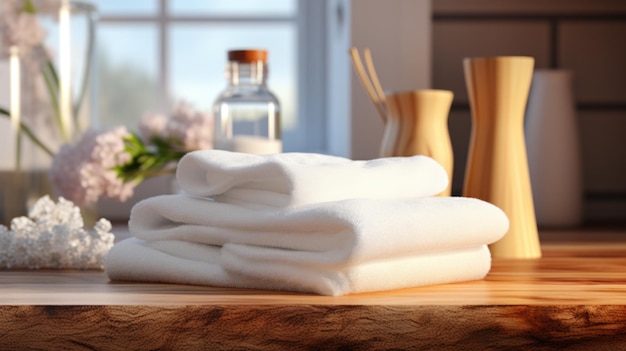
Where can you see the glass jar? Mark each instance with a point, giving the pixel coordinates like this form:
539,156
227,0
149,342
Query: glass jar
247,113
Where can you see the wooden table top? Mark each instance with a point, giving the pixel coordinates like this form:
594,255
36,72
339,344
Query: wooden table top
573,297
588,268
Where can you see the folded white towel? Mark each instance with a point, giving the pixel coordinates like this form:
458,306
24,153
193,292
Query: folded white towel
340,233
294,179
309,223
250,267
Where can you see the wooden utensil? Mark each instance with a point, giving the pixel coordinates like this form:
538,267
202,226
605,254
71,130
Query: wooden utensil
378,99
369,64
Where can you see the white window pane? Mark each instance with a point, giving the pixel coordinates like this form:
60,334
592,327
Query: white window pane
198,59
126,7
128,73
234,7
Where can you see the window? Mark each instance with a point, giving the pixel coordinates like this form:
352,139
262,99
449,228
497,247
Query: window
155,53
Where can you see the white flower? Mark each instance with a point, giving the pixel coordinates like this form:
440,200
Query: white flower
53,237
47,211
84,171
193,128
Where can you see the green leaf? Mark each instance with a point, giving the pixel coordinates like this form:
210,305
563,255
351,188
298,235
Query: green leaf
29,7
29,133
52,84
149,160
134,145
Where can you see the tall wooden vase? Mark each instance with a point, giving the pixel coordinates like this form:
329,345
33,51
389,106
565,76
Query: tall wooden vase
417,124
497,168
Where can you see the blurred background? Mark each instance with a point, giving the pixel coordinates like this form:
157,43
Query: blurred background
585,37
152,54
161,51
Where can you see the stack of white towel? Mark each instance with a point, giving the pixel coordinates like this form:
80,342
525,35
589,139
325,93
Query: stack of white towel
309,223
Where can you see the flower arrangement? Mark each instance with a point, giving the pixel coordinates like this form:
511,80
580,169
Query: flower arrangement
112,162
90,164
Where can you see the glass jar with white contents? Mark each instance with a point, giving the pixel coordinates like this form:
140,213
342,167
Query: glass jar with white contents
247,113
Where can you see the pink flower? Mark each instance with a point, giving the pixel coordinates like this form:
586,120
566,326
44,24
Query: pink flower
21,28
48,6
23,31
152,125
84,171
193,128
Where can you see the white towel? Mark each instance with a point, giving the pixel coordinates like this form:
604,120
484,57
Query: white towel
294,179
309,223
250,267
339,233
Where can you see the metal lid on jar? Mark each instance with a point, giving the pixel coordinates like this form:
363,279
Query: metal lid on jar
247,55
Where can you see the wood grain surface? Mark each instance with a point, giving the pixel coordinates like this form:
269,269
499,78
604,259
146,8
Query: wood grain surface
497,165
573,298
417,124
312,327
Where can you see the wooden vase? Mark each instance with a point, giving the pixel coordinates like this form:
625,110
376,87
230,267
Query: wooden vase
417,124
497,165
